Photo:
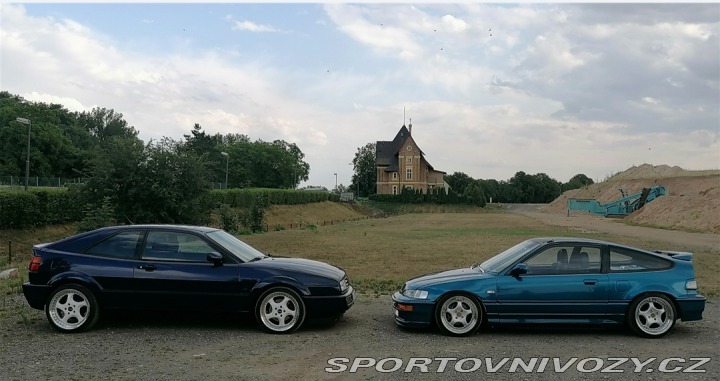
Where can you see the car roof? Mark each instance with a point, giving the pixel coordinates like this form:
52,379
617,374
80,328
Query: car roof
592,241
200,229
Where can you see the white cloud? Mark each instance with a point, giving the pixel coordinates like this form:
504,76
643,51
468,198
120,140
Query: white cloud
545,93
252,27
650,100
454,24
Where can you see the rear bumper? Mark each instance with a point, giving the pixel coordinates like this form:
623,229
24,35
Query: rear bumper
322,306
36,294
691,308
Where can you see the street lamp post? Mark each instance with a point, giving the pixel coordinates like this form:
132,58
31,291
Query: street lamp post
335,181
227,165
27,162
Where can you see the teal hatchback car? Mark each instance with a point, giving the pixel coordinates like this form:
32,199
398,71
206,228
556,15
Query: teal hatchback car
568,281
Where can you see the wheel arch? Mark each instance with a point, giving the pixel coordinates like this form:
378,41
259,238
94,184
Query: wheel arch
472,295
282,281
79,279
641,295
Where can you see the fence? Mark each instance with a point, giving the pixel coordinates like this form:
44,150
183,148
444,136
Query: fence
36,181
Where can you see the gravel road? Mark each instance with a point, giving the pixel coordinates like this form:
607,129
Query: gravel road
177,347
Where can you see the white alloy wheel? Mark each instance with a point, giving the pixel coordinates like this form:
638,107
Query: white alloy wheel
652,315
459,315
280,310
71,308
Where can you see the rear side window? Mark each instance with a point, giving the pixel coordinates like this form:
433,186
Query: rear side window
623,260
122,245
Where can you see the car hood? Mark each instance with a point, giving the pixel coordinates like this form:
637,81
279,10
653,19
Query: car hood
447,276
301,265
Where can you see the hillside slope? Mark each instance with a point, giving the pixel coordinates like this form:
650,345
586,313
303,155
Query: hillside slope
692,201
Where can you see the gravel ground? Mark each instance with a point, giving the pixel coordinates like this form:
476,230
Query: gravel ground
178,347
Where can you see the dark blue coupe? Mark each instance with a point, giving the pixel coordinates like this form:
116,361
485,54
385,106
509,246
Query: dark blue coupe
167,267
558,281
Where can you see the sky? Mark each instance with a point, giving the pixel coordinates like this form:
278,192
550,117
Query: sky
491,89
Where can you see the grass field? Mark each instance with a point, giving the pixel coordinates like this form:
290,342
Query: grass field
379,254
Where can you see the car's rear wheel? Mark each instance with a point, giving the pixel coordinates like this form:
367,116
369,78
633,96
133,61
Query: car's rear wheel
459,314
280,310
651,315
72,308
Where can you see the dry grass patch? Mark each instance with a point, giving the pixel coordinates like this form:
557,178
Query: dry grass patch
380,254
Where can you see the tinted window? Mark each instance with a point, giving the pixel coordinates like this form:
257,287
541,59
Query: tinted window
174,246
122,245
504,259
568,259
628,260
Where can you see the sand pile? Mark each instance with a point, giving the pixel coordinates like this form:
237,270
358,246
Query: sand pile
692,201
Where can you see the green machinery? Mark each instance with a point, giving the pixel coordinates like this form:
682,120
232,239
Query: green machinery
618,208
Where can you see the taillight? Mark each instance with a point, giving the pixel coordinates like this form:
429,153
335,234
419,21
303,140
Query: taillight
35,263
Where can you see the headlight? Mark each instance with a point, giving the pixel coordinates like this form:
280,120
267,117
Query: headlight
691,285
344,285
415,294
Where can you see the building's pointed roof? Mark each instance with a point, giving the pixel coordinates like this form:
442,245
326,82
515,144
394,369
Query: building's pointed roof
386,152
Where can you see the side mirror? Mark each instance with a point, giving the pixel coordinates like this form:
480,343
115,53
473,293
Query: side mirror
216,258
519,269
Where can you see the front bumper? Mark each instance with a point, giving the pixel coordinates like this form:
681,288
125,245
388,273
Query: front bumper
322,306
36,294
691,308
420,316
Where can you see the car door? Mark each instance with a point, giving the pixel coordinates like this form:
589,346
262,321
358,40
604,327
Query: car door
173,273
564,284
110,263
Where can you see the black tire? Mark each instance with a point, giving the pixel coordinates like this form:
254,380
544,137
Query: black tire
280,310
651,315
458,314
72,308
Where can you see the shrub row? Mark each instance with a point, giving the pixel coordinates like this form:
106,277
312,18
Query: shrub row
436,197
39,207
244,198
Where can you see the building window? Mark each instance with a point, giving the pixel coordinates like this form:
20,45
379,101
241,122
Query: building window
408,174
408,160
394,189
409,148
394,175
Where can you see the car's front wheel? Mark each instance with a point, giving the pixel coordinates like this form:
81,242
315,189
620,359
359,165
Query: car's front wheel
651,315
72,308
280,310
458,314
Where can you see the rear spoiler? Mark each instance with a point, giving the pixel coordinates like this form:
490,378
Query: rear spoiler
682,255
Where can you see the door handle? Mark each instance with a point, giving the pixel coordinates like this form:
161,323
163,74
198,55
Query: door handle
590,282
147,267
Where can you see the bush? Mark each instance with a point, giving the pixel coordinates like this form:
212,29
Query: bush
229,219
245,197
96,218
39,207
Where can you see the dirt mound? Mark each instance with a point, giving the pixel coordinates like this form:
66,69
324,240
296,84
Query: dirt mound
692,201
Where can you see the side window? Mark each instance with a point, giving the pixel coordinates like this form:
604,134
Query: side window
622,260
565,260
122,245
174,246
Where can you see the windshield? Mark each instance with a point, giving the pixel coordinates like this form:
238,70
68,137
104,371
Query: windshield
504,259
240,249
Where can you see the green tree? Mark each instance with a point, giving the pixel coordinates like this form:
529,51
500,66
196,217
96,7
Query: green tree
577,181
475,194
458,181
364,178
154,183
